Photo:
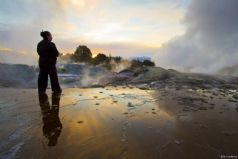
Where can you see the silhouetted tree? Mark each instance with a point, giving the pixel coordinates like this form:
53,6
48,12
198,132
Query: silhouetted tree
100,58
82,54
117,59
138,63
148,63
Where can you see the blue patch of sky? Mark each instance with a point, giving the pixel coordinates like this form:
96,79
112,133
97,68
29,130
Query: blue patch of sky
20,12
178,3
13,12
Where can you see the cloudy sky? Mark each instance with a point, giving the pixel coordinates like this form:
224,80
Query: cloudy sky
189,35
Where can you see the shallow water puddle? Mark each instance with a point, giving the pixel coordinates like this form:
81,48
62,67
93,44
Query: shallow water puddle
110,122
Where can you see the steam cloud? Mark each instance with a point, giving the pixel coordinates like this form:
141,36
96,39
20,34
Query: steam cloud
210,42
22,35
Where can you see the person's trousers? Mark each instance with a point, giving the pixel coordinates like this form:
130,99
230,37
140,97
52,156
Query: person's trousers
46,70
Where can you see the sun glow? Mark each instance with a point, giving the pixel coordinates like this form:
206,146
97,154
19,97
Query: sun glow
94,55
125,28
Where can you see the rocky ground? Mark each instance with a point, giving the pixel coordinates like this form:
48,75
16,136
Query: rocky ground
145,112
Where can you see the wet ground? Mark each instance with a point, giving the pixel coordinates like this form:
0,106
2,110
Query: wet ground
117,122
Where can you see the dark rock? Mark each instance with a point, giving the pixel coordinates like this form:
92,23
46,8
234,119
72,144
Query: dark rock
80,122
235,97
130,104
229,132
202,108
231,100
178,142
186,109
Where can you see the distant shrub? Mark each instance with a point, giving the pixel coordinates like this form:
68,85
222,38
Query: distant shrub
117,59
138,63
148,63
82,54
99,59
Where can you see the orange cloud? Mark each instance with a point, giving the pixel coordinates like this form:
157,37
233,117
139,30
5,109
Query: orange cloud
5,49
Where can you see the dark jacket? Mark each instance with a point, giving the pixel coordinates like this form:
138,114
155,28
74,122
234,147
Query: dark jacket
48,52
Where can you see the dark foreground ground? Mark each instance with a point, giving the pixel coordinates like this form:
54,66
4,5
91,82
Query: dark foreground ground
119,122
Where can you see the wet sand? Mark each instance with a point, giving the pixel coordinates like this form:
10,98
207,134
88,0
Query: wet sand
117,122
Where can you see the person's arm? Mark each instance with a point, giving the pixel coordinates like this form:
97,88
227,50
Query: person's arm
38,50
54,50
42,50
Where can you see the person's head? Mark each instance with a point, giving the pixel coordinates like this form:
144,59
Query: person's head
46,35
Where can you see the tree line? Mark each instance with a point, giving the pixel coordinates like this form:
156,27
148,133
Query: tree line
83,54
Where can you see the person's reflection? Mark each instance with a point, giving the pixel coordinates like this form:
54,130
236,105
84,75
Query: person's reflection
51,121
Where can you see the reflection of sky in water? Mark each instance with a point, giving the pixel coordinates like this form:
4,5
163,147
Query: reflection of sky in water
114,119
116,122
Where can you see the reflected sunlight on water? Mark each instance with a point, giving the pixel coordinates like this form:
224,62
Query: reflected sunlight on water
112,122
105,121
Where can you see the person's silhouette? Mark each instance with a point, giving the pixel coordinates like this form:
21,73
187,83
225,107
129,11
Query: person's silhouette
50,115
48,56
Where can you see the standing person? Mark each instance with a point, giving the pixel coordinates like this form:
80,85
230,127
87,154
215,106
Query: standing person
48,56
